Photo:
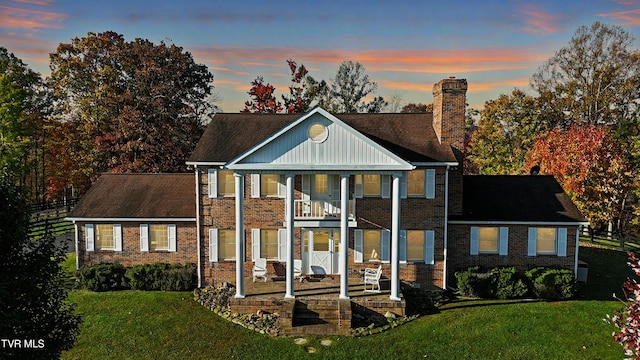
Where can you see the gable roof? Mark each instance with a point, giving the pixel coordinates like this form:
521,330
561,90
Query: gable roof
138,196
409,136
516,198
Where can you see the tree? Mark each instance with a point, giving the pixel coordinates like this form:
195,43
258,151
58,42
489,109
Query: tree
594,79
628,319
349,89
34,301
262,98
304,89
23,109
506,131
417,108
588,163
395,104
134,106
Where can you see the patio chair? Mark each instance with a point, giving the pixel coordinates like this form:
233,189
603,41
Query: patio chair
260,269
297,270
372,277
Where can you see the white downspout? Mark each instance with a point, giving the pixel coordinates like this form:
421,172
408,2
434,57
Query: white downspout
575,262
75,225
199,263
446,226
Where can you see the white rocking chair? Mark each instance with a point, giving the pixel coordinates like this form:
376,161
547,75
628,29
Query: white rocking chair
372,277
260,269
297,270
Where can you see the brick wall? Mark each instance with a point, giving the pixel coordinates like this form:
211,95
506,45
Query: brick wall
186,247
459,250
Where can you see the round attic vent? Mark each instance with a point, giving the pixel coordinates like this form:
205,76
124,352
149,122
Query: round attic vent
318,132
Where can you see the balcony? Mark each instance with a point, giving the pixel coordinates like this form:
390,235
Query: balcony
321,209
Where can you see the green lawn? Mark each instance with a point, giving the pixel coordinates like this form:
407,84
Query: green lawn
157,325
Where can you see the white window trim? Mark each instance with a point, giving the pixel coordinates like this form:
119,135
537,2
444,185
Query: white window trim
90,237
212,181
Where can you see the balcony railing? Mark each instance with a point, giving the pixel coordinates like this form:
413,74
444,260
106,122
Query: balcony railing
321,209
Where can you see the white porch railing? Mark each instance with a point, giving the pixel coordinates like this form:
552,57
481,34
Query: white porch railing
321,209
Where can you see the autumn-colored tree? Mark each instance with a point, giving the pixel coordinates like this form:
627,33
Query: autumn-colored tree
133,106
506,131
594,79
588,164
263,99
304,89
417,108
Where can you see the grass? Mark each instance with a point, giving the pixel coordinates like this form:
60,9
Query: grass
158,325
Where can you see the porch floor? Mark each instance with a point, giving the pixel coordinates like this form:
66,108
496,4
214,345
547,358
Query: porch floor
317,308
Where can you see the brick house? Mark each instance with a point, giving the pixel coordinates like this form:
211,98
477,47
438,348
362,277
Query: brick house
340,193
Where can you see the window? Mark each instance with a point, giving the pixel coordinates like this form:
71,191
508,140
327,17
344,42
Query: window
318,133
104,237
226,183
488,240
158,237
269,184
321,185
371,184
547,241
269,244
415,183
372,245
226,244
415,245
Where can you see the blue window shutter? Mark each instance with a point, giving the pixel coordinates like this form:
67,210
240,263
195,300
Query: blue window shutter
255,244
430,183
429,247
533,235
213,245
282,186
306,187
90,236
384,246
404,185
212,180
475,237
503,241
255,185
562,241
359,186
402,246
386,186
172,232
282,245
117,237
144,237
357,251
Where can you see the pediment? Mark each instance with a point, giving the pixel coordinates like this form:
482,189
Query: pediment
318,141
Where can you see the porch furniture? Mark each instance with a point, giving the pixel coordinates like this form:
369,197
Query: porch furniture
260,269
297,270
372,277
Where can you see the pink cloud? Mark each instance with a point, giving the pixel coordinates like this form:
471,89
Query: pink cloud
539,22
19,18
36,2
628,18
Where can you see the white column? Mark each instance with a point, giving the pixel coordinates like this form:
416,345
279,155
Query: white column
289,294
240,253
395,232
344,236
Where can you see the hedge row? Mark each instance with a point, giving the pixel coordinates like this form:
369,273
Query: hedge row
157,276
506,283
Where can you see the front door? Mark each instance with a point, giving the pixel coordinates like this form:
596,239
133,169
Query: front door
320,251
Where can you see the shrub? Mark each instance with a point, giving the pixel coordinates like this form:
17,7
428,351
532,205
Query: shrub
467,281
162,276
103,277
504,283
552,283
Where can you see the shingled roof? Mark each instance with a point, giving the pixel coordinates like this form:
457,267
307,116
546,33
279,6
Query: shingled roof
514,198
407,135
137,196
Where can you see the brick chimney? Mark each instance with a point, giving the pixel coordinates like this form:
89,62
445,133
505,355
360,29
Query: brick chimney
449,108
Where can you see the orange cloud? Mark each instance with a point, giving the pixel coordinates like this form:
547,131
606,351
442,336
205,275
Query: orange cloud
36,2
18,18
489,86
539,23
628,18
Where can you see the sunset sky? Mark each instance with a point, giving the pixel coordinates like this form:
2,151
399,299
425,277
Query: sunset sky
405,46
